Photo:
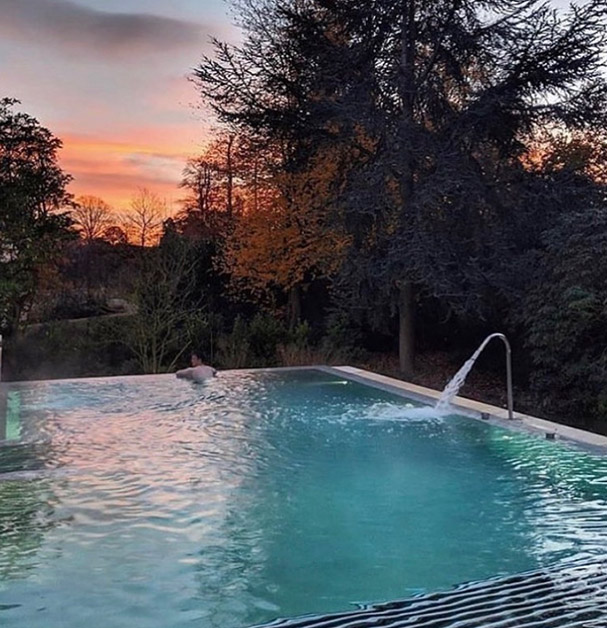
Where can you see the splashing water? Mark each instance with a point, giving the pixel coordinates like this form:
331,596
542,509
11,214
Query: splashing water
387,411
456,382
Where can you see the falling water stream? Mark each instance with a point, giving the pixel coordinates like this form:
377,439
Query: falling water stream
456,382
452,388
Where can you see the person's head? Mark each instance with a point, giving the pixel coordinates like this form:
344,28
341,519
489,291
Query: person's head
195,359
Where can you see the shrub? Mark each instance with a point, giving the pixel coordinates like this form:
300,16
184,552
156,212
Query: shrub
233,350
265,333
69,349
564,315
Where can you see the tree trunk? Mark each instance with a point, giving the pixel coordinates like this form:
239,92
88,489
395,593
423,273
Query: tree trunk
406,329
230,175
294,307
255,185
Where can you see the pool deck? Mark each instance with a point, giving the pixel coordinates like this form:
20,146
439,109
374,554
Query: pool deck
477,410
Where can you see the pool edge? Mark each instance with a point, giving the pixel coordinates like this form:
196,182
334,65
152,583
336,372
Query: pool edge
476,409
487,413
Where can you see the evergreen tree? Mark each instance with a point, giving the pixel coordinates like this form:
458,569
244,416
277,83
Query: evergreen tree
434,106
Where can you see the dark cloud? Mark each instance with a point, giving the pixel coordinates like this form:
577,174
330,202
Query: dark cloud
69,25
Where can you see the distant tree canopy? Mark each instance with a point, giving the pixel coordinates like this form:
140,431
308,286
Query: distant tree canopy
564,315
143,224
169,316
34,209
92,217
429,111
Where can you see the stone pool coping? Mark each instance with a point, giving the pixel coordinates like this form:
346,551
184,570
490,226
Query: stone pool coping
468,407
476,409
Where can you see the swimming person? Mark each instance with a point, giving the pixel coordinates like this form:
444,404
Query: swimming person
198,372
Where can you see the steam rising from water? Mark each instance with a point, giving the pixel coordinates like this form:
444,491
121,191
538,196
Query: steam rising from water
159,503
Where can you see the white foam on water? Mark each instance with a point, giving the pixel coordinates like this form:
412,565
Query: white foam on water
389,411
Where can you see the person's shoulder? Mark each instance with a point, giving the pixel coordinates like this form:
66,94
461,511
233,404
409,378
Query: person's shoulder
202,372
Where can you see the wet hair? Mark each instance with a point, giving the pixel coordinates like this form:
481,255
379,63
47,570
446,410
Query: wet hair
197,353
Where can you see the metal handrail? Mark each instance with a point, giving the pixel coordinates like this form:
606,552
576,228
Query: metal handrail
509,394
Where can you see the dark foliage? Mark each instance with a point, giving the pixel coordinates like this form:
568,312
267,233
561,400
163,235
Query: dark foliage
34,206
433,106
564,317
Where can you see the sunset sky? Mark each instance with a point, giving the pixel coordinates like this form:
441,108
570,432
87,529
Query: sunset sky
109,77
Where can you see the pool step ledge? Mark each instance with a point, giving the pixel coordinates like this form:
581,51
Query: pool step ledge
573,595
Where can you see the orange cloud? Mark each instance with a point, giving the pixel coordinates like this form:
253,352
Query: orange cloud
112,85
151,157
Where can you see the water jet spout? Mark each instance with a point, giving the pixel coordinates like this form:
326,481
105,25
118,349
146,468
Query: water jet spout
454,385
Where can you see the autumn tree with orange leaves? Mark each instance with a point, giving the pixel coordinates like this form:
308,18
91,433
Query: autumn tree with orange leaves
290,239
213,183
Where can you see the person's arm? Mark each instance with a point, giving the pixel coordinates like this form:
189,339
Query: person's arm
184,373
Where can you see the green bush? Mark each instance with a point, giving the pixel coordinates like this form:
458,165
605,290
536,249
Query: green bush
233,348
63,349
265,333
564,317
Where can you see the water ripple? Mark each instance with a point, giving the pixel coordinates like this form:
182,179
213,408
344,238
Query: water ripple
161,504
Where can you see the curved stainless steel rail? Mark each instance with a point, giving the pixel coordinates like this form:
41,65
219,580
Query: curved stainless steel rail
509,394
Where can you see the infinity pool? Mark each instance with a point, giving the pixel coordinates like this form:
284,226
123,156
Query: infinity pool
157,503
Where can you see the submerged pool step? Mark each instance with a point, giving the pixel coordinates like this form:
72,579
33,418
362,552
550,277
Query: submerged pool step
571,596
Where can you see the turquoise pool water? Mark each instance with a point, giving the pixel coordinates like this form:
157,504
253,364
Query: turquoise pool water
161,504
